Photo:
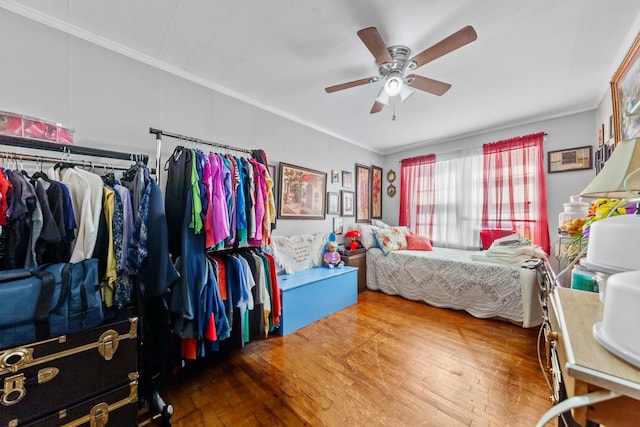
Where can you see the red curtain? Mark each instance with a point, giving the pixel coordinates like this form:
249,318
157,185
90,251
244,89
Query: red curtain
417,196
515,195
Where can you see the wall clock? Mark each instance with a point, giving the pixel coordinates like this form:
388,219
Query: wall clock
391,176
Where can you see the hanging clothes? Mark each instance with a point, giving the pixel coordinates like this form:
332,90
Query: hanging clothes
221,299
80,190
148,258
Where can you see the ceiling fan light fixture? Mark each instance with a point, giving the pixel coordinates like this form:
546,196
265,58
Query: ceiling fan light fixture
393,85
383,98
405,92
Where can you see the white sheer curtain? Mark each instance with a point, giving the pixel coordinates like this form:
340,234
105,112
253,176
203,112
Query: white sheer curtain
458,199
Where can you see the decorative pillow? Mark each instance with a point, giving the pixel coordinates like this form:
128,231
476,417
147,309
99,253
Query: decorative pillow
405,229
418,243
367,238
390,239
298,252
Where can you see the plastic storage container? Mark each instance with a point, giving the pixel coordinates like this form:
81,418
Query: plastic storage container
13,124
575,213
583,279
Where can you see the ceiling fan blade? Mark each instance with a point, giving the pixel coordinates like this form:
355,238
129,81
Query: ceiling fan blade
444,46
348,85
426,84
377,107
373,41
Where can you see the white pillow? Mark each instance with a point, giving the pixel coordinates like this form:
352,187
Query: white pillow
298,252
367,237
379,223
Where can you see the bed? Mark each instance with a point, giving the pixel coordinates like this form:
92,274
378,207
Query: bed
458,279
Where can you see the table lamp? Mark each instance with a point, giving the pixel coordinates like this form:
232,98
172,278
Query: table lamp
613,240
610,182
353,235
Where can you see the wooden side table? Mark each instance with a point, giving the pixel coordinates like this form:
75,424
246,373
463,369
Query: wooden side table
586,368
358,259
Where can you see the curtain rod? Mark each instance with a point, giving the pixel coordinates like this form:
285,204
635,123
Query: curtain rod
159,132
16,141
415,157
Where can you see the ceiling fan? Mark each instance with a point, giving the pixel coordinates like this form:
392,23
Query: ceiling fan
393,61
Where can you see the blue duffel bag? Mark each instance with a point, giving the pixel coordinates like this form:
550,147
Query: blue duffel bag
53,300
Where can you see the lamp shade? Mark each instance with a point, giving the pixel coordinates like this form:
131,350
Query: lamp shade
353,234
393,85
405,92
383,98
609,182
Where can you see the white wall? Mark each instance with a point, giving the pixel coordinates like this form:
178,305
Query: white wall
565,132
112,100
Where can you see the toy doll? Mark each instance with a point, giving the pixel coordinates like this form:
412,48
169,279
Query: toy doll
331,257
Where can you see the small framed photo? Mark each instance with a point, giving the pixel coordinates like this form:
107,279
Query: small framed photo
346,179
571,159
348,203
333,203
337,225
335,177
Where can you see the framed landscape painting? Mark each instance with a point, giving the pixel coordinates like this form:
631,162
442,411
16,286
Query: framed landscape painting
625,94
302,192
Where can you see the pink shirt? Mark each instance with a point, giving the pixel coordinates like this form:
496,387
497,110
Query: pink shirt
219,201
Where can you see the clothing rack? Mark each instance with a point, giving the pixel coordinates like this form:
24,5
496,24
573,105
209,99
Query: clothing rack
160,133
36,144
4,155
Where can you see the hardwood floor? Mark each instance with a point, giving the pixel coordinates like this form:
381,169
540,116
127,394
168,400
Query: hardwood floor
383,362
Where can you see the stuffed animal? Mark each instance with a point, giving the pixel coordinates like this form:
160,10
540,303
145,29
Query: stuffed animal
331,256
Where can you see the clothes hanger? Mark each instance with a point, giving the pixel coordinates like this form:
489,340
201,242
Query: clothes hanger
22,171
39,173
64,163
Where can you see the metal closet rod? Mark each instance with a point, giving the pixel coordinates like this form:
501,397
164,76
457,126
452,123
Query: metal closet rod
29,157
16,141
158,133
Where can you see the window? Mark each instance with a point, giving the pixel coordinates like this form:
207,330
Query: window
499,186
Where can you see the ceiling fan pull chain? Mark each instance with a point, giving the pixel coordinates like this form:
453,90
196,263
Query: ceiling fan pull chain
393,104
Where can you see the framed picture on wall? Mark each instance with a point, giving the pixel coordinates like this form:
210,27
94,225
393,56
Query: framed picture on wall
625,94
570,159
301,192
346,179
333,203
337,225
376,192
348,203
363,193
335,177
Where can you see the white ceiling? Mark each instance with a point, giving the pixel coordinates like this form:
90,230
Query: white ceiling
532,60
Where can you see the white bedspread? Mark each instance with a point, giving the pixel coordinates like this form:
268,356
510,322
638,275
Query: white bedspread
451,278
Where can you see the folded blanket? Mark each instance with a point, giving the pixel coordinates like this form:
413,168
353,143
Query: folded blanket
511,260
512,254
530,250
